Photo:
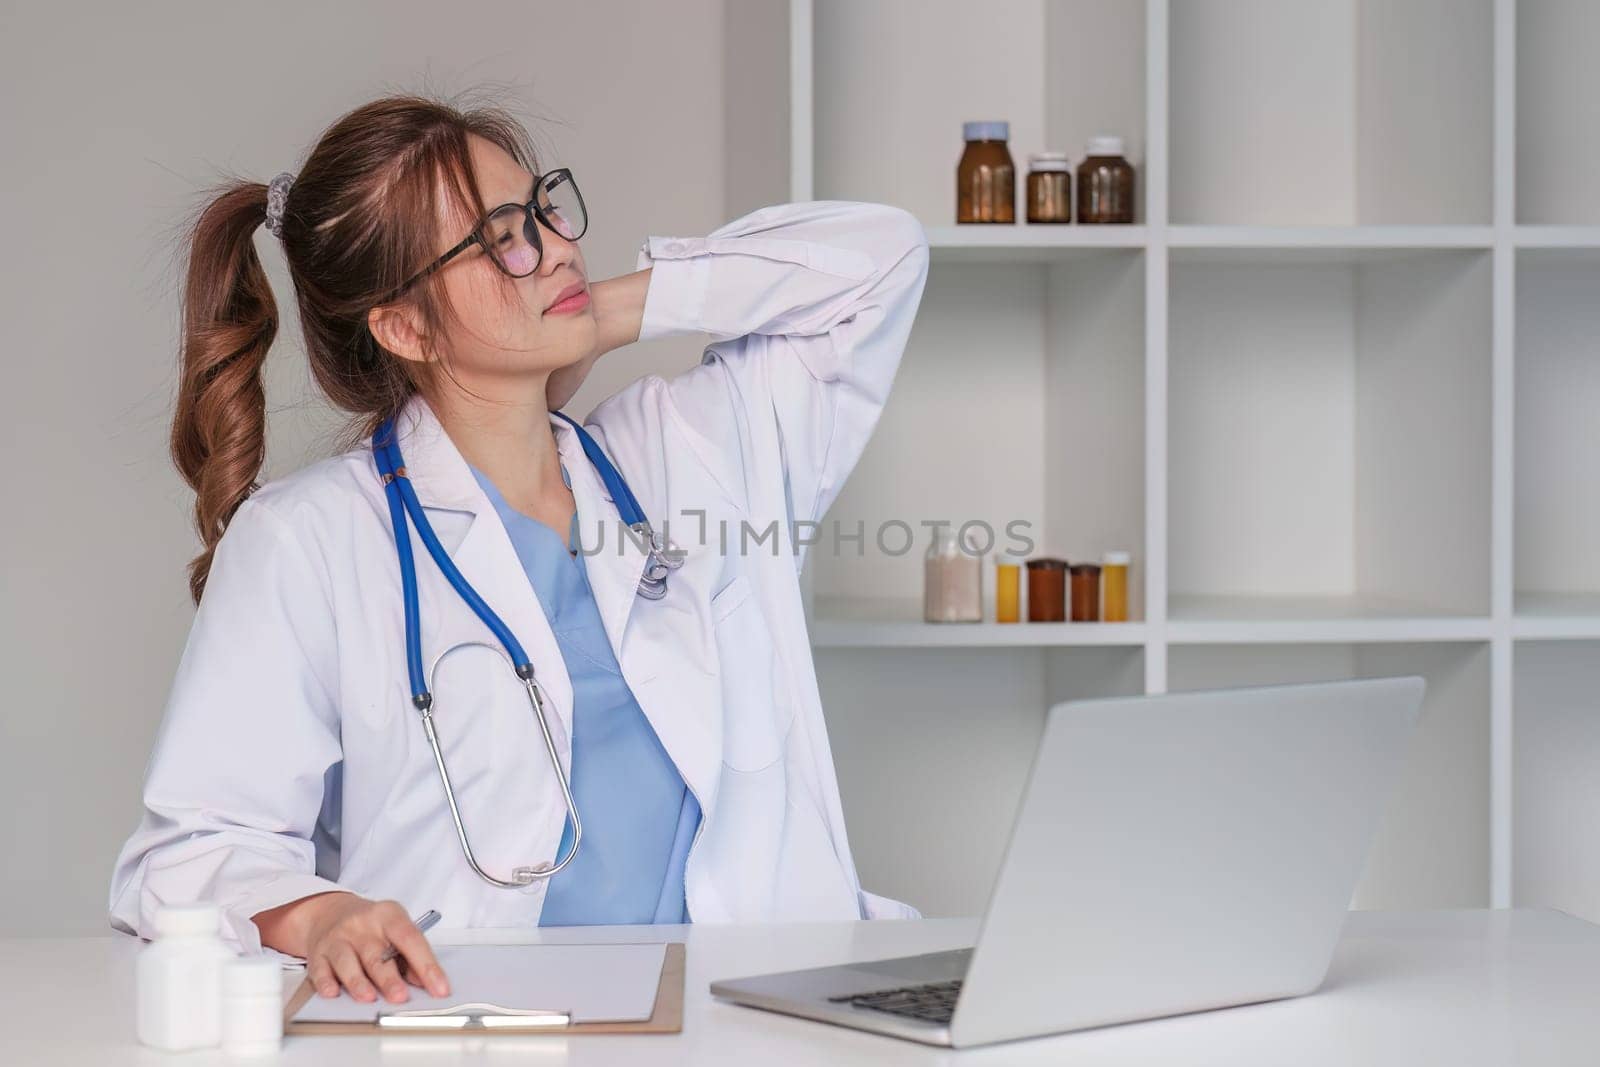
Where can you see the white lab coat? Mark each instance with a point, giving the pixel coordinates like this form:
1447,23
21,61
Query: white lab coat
290,760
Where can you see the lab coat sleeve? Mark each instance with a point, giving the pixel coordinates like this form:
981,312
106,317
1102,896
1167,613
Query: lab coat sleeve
809,306
874,906
234,786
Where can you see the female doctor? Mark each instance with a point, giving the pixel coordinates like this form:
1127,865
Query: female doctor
630,729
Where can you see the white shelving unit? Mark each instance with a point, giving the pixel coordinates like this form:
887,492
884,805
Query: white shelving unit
1336,390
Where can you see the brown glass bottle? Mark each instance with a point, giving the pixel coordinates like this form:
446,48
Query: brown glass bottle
1105,183
1049,187
986,180
1047,590
1085,592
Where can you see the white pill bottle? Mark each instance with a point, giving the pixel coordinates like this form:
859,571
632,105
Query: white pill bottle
179,979
252,1006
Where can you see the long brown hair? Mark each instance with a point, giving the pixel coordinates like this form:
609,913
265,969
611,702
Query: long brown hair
360,219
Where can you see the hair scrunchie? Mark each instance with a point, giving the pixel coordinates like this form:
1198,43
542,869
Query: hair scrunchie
277,198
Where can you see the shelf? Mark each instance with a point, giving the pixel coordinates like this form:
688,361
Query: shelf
1023,243
862,622
1320,244
858,622
1307,415
1557,617
893,80
1049,364
1576,238
1311,113
1220,620
1328,432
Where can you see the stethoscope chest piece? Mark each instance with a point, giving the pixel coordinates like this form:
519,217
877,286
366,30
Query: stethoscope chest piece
662,559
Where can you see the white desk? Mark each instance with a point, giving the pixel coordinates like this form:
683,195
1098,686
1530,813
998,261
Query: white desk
1462,988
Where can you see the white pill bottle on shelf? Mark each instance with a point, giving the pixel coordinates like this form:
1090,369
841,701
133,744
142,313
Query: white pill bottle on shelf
179,979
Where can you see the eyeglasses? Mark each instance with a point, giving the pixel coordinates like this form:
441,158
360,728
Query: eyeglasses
510,233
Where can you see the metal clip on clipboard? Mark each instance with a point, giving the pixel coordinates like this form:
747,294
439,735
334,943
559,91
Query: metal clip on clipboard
473,1017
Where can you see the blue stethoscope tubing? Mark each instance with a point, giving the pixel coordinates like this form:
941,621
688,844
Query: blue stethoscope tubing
662,558
404,506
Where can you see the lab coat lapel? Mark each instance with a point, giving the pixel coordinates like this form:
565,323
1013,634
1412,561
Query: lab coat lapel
485,556
653,641
613,559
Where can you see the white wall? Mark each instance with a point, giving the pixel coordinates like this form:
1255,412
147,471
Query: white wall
110,131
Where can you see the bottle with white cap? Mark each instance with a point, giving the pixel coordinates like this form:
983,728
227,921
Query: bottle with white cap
1114,586
1049,187
178,979
252,1006
986,180
1105,182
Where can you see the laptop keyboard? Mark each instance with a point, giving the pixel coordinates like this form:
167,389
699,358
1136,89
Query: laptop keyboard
934,1002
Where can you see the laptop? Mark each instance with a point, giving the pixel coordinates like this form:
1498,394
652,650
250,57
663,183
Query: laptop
1170,854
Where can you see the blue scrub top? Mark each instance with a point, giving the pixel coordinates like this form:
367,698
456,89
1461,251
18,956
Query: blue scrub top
639,817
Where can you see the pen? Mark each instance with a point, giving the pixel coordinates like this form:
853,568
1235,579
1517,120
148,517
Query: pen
424,922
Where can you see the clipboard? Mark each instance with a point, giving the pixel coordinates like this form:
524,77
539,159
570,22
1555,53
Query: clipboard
477,1019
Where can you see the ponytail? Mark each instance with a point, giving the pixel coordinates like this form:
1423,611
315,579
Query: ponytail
229,322
359,219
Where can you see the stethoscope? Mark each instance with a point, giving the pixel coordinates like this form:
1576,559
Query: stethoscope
403,503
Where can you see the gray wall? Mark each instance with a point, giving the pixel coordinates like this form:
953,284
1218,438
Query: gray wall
116,116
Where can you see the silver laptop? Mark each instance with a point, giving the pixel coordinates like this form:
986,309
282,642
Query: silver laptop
1171,854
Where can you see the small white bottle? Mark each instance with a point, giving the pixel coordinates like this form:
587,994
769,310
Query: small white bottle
952,579
178,978
252,1006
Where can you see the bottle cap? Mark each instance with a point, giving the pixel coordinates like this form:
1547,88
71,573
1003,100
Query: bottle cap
1049,161
985,131
252,976
188,920
1047,563
970,540
1117,559
1105,145
1085,568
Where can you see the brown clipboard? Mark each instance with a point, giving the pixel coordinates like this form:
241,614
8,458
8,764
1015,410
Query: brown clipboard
667,1018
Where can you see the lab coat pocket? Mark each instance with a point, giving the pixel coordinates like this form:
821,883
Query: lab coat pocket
727,598
756,709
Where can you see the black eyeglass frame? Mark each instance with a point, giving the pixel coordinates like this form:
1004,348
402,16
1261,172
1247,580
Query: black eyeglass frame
530,211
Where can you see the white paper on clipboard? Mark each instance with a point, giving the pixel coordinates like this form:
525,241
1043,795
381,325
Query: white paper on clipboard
592,983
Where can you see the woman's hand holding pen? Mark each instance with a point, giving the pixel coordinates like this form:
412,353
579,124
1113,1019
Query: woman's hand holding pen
345,940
